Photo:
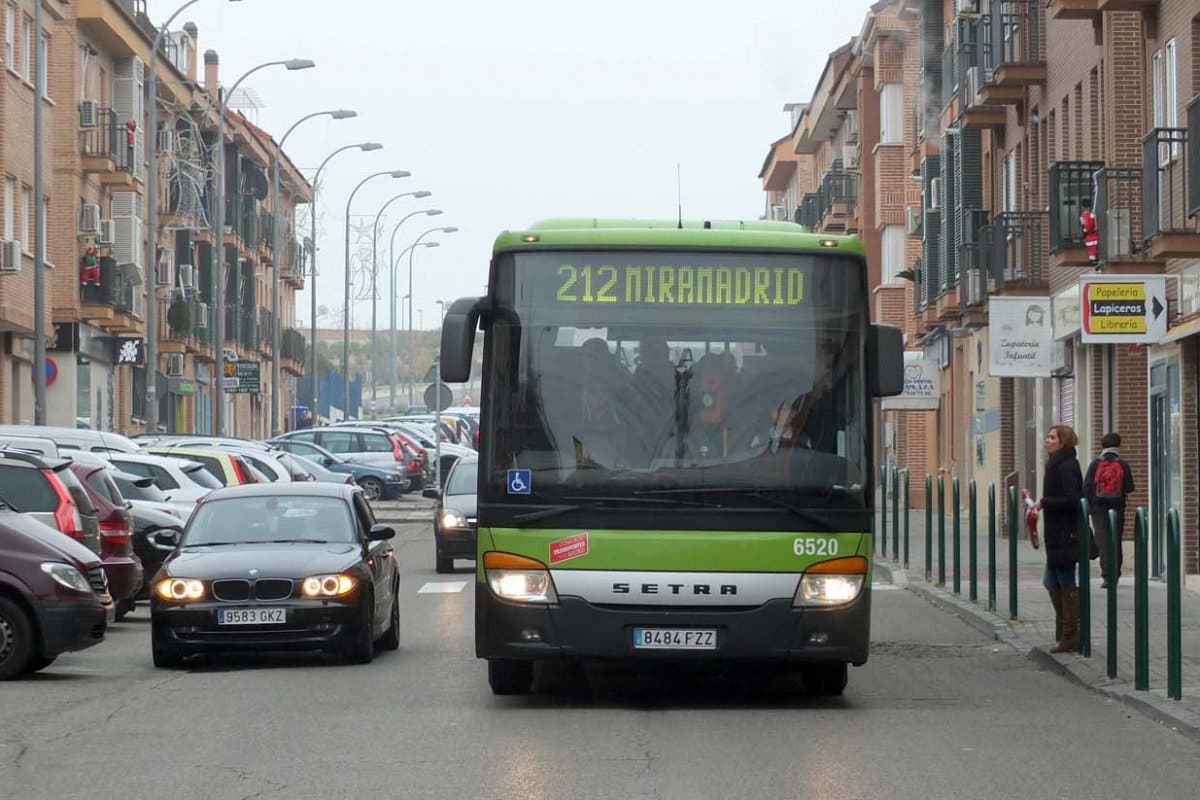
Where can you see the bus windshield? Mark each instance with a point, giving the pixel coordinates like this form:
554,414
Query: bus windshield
634,374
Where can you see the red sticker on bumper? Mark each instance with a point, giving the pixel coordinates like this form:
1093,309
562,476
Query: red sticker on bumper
566,549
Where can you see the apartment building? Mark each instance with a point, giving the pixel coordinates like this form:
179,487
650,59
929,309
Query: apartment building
98,250
1031,130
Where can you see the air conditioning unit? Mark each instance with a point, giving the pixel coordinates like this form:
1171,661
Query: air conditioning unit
966,8
106,232
935,194
915,219
10,256
89,114
89,218
166,269
202,317
850,156
187,276
175,365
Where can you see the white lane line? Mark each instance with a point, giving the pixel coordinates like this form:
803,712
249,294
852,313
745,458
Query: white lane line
884,587
443,587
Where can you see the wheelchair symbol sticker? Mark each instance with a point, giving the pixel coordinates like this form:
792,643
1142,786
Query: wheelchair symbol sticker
520,481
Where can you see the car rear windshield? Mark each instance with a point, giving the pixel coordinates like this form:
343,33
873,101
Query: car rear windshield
131,491
26,489
201,476
271,518
104,486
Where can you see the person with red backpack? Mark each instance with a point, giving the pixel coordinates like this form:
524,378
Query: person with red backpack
1109,481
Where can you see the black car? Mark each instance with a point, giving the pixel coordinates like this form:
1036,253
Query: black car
277,566
455,516
52,595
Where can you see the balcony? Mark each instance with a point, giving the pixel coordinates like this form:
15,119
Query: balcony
266,327
248,334
1017,245
1017,48
1128,5
1119,219
1074,9
105,153
113,304
1071,190
835,200
1171,189
292,344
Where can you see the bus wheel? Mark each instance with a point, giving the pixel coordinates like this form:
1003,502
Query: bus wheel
828,680
507,676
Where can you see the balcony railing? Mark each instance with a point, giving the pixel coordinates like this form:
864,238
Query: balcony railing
1071,189
971,273
1016,34
1119,213
806,212
248,335
1018,248
114,290
293,346
266,327
836,197
106,140
1169,191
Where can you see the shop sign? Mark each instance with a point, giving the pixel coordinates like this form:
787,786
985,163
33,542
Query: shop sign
922,385
1123,309
1021,338
242,377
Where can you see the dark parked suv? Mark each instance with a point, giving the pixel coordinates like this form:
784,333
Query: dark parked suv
52,595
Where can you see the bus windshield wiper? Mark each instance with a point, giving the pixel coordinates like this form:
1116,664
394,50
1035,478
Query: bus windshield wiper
586,501
813,516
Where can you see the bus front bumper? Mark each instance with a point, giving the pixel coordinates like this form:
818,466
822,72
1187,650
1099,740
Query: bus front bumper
575,629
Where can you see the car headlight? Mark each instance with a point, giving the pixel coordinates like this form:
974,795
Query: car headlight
67,576
831,583
328,585
518,578
453,520
180,590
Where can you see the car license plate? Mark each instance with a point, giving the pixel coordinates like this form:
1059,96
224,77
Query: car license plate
251,616
674,639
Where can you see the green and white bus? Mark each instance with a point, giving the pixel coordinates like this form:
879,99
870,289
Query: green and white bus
676,456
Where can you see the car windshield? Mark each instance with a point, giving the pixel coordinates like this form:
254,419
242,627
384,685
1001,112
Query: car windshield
271,518
464,478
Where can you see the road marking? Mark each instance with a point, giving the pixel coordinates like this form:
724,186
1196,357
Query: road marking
883,587
443,587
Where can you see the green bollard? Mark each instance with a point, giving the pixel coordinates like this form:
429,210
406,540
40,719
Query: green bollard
881,534
928,528
1174,609
957,527
1012,551
906,516
895,515
941,501
972,545
992,547
1141,605
1113,544
1085,580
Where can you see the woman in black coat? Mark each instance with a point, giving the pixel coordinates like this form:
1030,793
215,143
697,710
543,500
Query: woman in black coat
1062,489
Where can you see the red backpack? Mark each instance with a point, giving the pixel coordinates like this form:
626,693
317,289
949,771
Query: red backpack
1109,480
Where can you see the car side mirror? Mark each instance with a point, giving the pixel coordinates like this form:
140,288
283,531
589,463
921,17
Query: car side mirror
432,493
327,461
380,533
167,539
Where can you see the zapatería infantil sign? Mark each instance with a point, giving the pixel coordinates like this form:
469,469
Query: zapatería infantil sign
1020,337
1130,309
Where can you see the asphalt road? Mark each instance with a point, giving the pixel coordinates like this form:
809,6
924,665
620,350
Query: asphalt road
937,713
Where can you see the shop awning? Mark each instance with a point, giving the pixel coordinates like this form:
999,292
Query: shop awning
1189,328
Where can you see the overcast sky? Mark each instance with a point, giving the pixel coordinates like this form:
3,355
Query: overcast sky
514,112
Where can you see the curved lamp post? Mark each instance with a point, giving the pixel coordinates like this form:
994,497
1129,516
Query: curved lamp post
412,343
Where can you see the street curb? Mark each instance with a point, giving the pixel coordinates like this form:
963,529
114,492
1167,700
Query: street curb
1074,668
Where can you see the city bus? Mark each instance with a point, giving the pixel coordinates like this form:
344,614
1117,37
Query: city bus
676,448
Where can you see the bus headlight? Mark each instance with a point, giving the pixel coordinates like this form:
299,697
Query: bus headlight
831,583
519,579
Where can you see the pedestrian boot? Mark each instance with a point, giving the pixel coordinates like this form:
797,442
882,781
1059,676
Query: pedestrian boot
1056,601
1070,622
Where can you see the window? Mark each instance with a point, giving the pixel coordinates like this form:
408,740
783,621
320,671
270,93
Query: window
376,443
10,34
891,114
339,442
1009,181
893,245
10,191
26,209
1170,98
26,490
26,47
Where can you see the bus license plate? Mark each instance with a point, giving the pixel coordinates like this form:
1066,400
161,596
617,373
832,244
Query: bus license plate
674,639
251,616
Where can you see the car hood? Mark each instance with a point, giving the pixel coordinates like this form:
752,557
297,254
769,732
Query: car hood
271,560
465,504
24,533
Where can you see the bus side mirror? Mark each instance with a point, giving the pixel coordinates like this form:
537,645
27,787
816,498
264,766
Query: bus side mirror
458,338
885,360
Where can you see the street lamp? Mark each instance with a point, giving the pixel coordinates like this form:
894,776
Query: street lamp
218,229
152,221
366,147
276,249
421,193
411,339
392,332
398,173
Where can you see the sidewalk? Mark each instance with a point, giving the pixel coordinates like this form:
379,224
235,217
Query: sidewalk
1033,630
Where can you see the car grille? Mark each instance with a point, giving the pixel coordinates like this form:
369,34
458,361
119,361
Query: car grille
273,589
231,590
97,580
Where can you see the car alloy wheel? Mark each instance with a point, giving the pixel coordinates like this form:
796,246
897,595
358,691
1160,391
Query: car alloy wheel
372,488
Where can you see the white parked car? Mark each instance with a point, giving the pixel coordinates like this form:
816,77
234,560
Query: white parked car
183,482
